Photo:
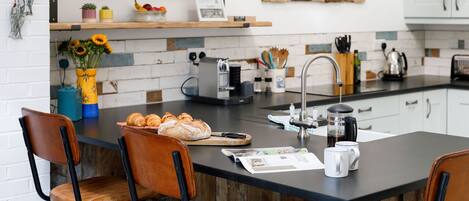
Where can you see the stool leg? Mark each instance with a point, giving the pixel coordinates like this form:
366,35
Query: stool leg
180,175
128,169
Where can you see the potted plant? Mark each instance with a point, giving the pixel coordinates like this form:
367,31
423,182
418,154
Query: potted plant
87,55
105,14
88,13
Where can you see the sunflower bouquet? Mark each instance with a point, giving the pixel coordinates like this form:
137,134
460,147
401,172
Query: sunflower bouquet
86,54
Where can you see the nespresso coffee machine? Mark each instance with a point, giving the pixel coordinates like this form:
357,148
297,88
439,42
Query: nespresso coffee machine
214,84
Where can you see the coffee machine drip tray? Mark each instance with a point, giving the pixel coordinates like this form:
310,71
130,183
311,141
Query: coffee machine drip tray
334,90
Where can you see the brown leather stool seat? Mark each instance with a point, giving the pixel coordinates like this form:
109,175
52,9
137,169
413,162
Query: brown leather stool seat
100,189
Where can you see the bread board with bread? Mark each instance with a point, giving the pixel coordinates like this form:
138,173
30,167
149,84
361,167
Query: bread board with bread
189,130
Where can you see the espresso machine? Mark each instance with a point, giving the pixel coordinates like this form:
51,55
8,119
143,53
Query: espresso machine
214,84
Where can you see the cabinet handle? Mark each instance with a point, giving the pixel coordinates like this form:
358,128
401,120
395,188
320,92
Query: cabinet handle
408,103
464,104
370,127
429,108
457,5
444,5
365,110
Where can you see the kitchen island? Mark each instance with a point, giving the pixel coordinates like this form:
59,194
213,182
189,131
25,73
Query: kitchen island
388,167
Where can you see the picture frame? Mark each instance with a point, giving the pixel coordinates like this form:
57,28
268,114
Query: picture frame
211,10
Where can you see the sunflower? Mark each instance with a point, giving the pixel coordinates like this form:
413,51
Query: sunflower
74,43
99,39
107,48
80,51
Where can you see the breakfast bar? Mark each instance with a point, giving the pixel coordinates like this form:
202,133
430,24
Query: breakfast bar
395,166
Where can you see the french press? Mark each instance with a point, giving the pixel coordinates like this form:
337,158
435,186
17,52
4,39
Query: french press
341,125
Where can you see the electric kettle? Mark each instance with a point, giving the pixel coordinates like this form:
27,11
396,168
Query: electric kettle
396,65
341,125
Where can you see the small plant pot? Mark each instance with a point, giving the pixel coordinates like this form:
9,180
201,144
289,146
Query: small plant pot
88,15
105,16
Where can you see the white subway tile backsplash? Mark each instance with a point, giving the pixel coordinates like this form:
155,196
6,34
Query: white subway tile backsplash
129,72
118,46
172,82
123,99
173,95
153,45
138,85
14,188
222,42
436,61
439,35
165,70
441,44
154,58
21,75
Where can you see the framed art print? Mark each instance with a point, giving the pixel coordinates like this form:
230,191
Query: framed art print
211,10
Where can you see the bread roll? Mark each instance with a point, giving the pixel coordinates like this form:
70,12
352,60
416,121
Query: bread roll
153,120
185,117
168,117
136,119
186,130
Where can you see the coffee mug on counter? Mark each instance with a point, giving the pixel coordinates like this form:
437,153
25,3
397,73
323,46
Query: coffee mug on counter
354,153
336,162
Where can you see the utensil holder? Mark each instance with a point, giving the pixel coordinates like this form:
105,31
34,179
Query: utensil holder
278,80
345,62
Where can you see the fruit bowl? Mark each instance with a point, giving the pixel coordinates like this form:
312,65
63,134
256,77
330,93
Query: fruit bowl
150,16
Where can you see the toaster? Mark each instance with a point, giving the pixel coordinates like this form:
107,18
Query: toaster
460,67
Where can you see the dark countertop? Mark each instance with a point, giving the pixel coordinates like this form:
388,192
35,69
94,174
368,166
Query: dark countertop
387,167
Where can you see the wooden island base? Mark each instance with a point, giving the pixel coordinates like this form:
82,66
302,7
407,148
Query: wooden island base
98,161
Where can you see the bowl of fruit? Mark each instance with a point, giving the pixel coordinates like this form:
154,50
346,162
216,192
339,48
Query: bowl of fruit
149,13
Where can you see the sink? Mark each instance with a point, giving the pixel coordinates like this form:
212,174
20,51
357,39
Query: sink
363,136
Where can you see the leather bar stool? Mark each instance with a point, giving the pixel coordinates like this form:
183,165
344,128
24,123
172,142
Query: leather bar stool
449,178
159,163
52,137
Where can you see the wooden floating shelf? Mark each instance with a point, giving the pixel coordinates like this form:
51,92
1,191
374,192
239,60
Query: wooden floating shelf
70,26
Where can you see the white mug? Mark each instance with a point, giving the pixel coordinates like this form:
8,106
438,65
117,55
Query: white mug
354,151
336,162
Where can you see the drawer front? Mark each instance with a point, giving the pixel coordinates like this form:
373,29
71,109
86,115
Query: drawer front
458,110
384,125
411,110
375,108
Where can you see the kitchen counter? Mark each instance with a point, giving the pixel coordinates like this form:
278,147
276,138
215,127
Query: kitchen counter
388,167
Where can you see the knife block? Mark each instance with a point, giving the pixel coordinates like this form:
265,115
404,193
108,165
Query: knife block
345,62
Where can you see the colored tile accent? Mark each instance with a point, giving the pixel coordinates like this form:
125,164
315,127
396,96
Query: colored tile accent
99,88
363,56
154,96
185,43
290,72
386,35
432,52
118,59
461,44
318,48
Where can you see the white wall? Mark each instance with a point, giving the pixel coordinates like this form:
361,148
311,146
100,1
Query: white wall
24,82
290,18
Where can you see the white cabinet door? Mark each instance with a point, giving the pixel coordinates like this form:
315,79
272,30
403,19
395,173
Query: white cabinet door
434,119
458,112
428,8
382,125
410,113
461,8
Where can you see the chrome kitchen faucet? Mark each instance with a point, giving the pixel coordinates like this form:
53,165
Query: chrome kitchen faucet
303,122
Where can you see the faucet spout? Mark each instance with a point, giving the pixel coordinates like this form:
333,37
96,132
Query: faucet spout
303,122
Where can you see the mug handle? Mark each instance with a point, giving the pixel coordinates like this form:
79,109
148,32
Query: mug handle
338,161
356,154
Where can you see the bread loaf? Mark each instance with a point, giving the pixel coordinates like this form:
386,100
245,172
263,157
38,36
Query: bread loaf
153,120
136,119
186,130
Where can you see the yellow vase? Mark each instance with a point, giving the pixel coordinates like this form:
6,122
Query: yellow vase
86,81
105,16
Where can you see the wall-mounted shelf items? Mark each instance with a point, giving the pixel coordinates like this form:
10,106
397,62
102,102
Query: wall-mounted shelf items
71,26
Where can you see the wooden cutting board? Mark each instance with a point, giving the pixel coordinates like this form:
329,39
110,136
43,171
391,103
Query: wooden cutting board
221,141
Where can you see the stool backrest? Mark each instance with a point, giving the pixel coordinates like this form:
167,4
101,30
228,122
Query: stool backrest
449,178
154,166
43,132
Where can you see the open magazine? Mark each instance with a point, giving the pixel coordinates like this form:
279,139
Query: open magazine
272,160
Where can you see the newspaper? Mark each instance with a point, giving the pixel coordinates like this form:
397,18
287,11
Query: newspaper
273,160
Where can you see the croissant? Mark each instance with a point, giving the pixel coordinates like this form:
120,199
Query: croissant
168,117
153,120
185,117
136,119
